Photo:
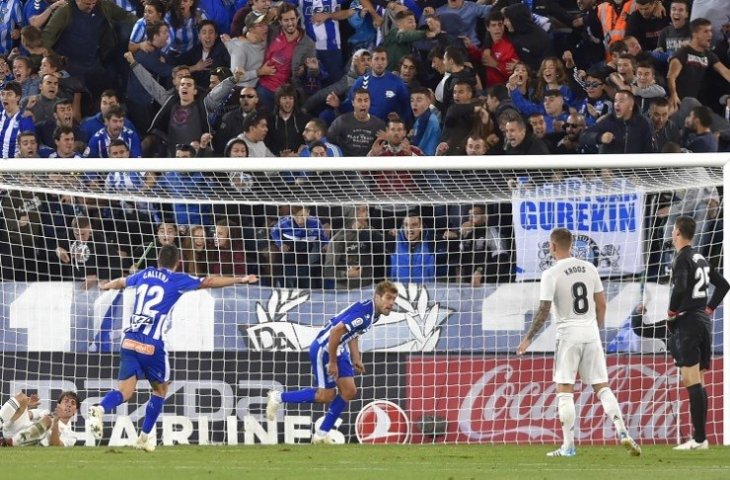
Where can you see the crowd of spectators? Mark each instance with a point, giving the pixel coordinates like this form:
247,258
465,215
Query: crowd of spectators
202,78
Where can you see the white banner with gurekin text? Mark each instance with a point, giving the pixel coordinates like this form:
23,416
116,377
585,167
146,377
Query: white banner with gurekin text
606,218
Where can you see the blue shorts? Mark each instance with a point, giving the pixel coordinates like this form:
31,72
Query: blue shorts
319,357
143,357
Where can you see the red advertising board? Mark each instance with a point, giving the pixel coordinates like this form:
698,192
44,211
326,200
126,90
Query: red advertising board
512,400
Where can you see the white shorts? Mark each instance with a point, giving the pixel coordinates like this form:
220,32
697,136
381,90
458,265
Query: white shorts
587,359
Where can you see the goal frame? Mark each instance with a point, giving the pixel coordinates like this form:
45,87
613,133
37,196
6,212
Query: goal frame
424,163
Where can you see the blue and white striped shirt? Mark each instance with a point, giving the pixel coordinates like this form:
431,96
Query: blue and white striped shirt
326,35
11,15
358,318
10,127
185,37
99,144
126,5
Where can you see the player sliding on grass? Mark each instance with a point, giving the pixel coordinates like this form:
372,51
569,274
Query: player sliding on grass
333,355
143,347
576,289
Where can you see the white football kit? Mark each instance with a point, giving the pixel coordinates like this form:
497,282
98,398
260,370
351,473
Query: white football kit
570,285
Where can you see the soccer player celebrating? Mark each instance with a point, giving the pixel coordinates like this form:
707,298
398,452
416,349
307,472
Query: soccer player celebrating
688,328
580,305
143,346
334,353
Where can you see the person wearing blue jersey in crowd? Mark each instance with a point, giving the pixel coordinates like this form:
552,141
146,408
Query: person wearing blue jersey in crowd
335,357
388,93
92,124
11,15
12,121
302,239
413,258
37,12
322,24
114,121
143,353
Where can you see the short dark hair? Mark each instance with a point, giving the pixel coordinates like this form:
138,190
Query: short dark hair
660,102
14,87
499,92
115,111
118,142
618,46
62,130
380,49
644,2
421,91
154,28
319,124
394,118
287,7
27,133
628,93
703,114
646,64
109,93
466,82
204,23
61,101
697,23
70,394
185,147
252,120
456,54
683,2
168,257
495,16
316,144
157,5
361,91
436,52
686,227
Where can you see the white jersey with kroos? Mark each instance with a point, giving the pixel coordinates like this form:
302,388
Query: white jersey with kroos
570,285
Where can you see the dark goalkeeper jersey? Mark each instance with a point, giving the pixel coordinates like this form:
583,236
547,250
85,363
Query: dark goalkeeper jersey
691,279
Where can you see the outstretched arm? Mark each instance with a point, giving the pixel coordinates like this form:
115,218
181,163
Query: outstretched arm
116,284
218,282
537,322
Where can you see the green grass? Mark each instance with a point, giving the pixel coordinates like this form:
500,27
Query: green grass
351,462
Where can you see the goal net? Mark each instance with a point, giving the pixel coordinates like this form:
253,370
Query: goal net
466,246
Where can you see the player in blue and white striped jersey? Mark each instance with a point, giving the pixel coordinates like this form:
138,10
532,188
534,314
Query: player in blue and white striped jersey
322,24
11,19
143,353
335,356
12,121
99,142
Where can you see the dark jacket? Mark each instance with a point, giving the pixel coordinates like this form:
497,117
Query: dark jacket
162,120
531,42
634,135
61,18
531,145
219,54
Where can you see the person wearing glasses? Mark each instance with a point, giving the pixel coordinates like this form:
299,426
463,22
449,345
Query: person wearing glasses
232,122
570,143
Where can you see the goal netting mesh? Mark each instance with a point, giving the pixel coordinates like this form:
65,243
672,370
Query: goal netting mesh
466,248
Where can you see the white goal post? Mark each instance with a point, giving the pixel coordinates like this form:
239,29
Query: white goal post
441,368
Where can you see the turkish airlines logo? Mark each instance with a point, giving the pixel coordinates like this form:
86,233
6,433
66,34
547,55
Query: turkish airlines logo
382,421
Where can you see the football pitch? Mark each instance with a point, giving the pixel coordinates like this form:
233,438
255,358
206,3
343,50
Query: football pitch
351,462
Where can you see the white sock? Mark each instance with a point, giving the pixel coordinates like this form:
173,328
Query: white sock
321,433
566,413
610,406
8,410
277,396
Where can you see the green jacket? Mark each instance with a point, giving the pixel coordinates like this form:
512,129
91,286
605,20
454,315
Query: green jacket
61,18
399,44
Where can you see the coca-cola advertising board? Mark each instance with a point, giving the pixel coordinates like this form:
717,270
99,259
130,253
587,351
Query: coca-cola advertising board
512,400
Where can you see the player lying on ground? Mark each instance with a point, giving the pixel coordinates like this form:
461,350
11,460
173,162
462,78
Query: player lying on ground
143,353
22,424
335,356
